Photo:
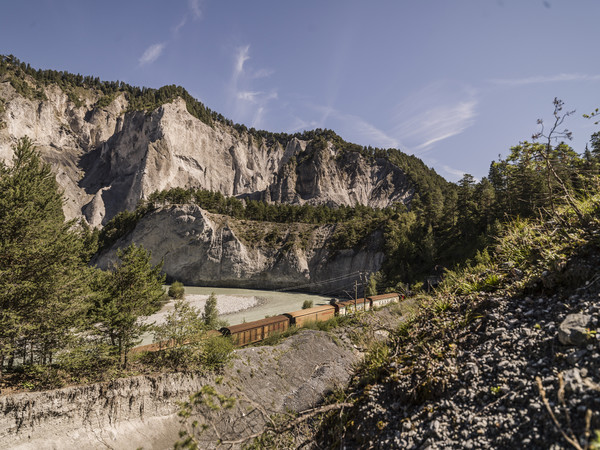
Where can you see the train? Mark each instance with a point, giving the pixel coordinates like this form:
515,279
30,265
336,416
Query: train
255,331
252,332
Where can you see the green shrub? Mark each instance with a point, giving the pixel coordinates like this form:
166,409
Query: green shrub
307,304
216,352
176,290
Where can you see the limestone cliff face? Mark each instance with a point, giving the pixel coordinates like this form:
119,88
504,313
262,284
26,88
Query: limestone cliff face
340,178
108,158
199,248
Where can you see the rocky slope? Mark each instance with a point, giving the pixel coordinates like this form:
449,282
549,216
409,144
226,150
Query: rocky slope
199,248
141,412
108,158
492,370
491,398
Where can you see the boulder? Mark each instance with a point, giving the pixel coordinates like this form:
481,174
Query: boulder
574,330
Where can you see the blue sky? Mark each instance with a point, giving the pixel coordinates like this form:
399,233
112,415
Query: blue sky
455,82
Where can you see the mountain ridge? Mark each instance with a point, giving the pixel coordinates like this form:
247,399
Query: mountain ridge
112,145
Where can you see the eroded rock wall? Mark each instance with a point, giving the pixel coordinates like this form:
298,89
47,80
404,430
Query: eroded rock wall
199,248
141,412
108,158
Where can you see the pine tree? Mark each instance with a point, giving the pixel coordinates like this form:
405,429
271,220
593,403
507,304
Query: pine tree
43,276
133,289
210,311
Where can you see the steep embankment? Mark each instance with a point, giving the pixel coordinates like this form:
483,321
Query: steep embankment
505,355
107,155
142,411
200,248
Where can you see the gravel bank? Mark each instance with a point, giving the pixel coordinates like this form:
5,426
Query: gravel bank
491,397
226,304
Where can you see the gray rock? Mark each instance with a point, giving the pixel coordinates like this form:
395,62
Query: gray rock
573,330
204,249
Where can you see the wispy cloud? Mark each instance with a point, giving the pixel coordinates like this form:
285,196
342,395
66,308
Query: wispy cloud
262,73
370,133
242,55
250,105
444,122
152,53
256,96
352,127
195,8
561,77
455,172
180,25
436,113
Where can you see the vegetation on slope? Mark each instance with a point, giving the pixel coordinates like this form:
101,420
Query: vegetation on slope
62,321
547,248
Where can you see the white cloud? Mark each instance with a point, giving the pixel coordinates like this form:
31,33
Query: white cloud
195,8
249,105
437,112
258,117
370,133
242,55
180,25
561,77
456,172
256,96
262,73
152,53
354,126
443,122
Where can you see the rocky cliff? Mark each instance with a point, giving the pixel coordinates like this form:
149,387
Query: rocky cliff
109,157
141,412
199,248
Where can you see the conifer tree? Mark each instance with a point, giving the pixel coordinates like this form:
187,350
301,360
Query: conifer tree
210,311
43,276
133,289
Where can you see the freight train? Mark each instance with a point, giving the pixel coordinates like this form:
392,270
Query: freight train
257,330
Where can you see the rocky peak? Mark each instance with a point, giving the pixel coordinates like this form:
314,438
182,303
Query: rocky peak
107,157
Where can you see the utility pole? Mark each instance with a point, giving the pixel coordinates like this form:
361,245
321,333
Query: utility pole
355,295
363,278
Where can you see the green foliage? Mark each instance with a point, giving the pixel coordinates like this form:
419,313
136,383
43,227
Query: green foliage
43,275
374,364
278,336
307,304
86,361
216,352
121,225
176,290
595,442
211,313
132,289
30,82
330,324
181,332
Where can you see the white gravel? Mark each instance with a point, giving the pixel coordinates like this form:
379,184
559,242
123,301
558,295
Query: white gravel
226,304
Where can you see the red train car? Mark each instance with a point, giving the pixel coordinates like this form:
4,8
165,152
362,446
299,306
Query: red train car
316,314
250,332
